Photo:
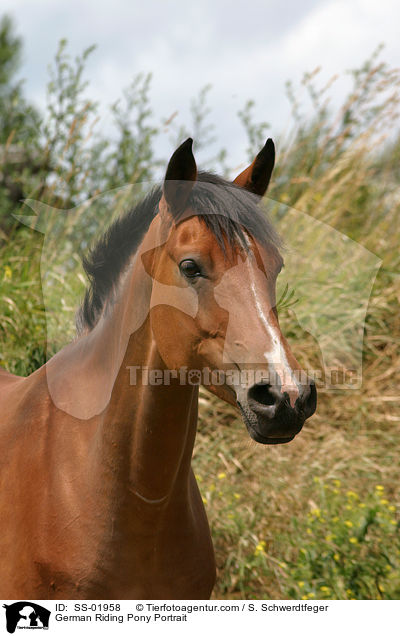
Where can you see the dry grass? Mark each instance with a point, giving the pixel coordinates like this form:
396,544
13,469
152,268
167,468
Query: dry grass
345,440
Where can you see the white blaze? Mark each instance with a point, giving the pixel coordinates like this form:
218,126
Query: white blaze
231,292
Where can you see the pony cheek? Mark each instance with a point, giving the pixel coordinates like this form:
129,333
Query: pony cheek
209,353
166,324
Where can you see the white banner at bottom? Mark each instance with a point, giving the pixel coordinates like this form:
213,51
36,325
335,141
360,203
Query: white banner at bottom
172,617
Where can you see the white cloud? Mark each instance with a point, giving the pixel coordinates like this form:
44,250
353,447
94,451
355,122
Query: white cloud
245,50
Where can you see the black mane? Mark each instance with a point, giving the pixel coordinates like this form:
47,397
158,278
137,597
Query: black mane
225,209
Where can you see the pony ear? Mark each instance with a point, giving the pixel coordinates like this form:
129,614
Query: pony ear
256,177
179,179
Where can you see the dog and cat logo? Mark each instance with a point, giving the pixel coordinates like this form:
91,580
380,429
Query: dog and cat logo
26,615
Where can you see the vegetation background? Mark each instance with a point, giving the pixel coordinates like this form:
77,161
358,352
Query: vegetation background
318,518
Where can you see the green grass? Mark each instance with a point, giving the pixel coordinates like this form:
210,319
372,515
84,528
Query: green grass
22,315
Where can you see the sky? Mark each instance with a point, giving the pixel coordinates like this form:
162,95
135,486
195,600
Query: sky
246,49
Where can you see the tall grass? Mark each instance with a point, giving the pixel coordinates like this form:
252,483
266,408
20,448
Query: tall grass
337,168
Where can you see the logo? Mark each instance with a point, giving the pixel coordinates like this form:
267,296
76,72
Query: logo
26,615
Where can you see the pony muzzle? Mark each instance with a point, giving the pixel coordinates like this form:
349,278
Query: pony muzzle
270,415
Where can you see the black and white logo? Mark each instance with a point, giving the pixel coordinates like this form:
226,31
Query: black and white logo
26,615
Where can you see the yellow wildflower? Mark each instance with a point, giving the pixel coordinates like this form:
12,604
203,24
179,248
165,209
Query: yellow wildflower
349,524
260,548
353,540
379,488
221,475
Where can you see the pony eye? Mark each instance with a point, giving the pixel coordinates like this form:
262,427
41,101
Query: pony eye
189,268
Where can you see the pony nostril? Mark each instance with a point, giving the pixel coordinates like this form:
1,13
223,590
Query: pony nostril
268,398
262,394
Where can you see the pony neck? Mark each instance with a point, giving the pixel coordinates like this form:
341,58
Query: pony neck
156,422
147,430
